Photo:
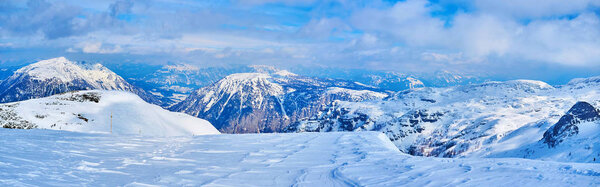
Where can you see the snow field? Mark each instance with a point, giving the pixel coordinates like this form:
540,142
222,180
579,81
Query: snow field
58,158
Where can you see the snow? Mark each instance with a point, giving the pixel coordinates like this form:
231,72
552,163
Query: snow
582,147
584,80
130,115
248,86
175,88
181,67
59,75
285,73
63,70
236,82
59,158
356,95
178,97
480,120
414,83
531,83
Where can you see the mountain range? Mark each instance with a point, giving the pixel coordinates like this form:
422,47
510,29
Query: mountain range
478,120
173,82
519,118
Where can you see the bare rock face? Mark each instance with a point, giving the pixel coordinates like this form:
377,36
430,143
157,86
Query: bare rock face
261,102
567,125
59,75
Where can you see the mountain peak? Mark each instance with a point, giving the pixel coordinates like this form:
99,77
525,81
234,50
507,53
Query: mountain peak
51,62
582,82
567,125
249,82
583,110
65,70
59,75
531,83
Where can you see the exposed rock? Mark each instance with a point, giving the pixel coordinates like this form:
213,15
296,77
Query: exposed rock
567,125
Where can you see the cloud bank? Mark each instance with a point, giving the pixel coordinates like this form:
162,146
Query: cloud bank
411,35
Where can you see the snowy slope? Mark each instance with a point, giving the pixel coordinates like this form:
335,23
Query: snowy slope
90,111
58,158
465,121
59,75
575,137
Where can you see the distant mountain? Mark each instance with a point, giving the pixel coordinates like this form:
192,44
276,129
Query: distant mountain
493,119
393,80
95,111
448,78
175,81
387,80
59,75
262,102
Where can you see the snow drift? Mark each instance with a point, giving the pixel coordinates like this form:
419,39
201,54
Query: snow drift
90,111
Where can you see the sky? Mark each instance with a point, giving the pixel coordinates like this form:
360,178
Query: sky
538,39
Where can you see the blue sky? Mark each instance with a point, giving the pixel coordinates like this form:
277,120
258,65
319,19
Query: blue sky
542,39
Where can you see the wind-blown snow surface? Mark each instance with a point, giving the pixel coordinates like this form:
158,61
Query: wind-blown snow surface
59,158
90,111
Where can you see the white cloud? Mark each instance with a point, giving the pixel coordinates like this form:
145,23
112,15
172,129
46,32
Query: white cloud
408,21
98,47
534,8
481,35
325,27
565,41
8,44
339,33
287,2
478,36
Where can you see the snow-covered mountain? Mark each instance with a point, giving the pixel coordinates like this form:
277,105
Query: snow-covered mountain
393,81
447,78
95,111
59,75
488,119
261,102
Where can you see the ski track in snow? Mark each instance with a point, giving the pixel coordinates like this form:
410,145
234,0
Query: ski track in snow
57,158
